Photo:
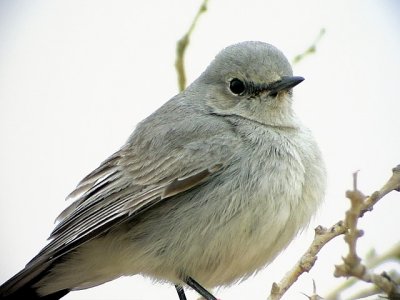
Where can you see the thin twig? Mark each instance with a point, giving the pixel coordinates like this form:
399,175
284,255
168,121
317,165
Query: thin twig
306,262
392,253
374,290
182,45
310,50
314,296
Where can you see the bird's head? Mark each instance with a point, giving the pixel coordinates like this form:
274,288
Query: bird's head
253,80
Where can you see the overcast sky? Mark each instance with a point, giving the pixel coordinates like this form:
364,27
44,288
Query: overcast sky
77,76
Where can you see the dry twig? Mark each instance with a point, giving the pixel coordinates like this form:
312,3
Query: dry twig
373,290
182,45
370,263
352,265
306,262
314,296
310,50
323,236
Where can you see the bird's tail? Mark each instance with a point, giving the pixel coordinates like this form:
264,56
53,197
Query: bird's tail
28,292
22,285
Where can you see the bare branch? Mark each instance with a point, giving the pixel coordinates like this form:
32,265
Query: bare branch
393,184
306,262
310,50
182,45
372,262
352,265
373,289
361,204
314,296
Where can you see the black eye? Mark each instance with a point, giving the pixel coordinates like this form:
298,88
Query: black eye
237,86
273,94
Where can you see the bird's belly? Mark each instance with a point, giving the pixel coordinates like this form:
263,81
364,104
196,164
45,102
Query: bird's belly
257,231
236,232
243,246
217,242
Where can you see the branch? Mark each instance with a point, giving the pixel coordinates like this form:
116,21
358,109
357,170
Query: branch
373,289
314,296
392,253
352,265
310,50
306,262
323,235
182,45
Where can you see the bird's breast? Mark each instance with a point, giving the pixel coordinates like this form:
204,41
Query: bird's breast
258,215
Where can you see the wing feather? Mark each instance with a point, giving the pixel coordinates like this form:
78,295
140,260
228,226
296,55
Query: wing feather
130,182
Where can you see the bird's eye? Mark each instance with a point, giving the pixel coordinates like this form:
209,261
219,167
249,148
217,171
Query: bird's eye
236,86
273,94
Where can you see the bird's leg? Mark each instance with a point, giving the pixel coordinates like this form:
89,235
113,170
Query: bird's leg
198,288
180,291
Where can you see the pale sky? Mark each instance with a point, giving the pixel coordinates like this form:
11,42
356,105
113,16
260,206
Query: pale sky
77,76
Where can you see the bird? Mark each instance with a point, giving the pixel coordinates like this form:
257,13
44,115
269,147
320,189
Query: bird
206,191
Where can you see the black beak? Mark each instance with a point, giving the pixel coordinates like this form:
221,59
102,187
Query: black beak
285,83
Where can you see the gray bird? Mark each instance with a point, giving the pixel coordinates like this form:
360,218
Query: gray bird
206,191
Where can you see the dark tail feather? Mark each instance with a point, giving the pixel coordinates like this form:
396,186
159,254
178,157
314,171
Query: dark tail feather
21,286
29,293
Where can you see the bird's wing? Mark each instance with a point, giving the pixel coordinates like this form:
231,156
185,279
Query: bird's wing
130,182
161,159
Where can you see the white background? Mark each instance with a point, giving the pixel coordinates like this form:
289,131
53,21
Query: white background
76,76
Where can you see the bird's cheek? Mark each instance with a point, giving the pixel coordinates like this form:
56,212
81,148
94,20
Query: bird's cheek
279,97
